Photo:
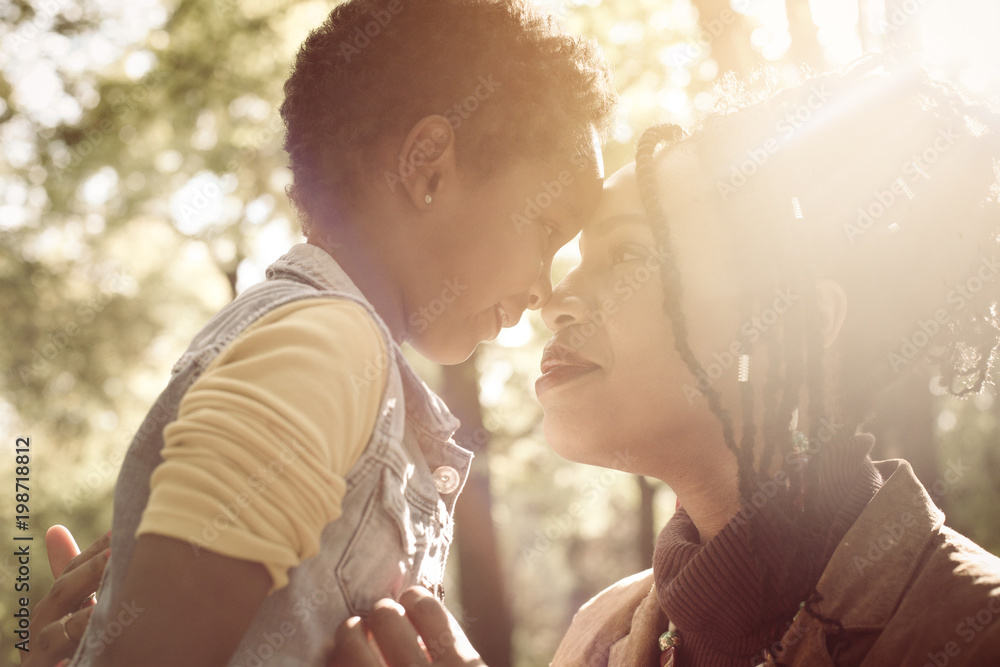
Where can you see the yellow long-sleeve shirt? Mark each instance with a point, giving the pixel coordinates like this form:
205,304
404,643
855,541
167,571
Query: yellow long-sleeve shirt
254,464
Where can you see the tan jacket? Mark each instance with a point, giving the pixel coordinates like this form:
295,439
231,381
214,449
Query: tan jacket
907,590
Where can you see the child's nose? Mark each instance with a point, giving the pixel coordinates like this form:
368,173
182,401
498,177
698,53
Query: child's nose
541,291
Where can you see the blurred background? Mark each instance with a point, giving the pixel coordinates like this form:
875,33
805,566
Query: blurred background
142,187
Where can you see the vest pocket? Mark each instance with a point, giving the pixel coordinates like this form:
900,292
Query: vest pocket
387,551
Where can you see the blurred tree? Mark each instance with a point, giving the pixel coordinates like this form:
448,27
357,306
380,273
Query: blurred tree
730,32
805,48
482,586
140,163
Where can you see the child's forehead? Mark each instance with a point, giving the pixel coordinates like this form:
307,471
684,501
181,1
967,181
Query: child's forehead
595,152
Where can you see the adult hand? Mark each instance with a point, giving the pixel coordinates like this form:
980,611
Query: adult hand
389,638
60,618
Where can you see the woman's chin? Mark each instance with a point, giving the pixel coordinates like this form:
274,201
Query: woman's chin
569,438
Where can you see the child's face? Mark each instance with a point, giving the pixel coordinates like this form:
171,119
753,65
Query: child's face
491,255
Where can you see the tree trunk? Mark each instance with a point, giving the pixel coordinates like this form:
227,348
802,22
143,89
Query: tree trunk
901,18
731,48
482,595
647,529
904,428
805,48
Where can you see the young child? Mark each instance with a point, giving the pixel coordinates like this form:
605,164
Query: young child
296,469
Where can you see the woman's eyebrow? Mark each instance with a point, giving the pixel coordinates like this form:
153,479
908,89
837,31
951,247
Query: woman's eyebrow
606,225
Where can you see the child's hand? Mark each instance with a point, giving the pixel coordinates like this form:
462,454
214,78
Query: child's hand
394,628
60,618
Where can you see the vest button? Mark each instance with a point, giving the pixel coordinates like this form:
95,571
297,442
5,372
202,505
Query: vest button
446,479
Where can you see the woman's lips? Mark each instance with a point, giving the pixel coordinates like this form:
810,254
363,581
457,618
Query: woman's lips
561,364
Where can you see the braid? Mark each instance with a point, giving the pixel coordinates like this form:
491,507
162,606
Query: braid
772,427
746,392
831,242
672,286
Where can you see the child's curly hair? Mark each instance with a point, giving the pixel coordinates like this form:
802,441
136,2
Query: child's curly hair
511,81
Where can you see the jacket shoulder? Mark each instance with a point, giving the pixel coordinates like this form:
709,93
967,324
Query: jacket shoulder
602,621
950,613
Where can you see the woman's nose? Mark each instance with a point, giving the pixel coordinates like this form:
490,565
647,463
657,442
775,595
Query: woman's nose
565,306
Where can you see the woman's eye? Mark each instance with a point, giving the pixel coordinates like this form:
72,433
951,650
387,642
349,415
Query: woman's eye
627,252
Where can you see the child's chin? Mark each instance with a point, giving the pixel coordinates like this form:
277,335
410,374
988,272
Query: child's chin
446,353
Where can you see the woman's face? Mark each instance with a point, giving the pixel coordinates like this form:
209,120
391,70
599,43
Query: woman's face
614,390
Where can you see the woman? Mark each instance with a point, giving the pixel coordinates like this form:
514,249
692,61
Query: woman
744,296
59,619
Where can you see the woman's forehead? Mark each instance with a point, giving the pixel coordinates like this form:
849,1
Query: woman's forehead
679,184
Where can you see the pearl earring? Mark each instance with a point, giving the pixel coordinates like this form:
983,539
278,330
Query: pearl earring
427,199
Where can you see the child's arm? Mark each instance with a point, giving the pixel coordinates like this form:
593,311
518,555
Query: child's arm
182,608
259,453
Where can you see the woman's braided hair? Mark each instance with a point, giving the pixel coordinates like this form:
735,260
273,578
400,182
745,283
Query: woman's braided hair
881,180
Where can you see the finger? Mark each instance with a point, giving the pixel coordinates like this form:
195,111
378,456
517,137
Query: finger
71,590
395,636
441,633
350,646
97,548
61,548
53,643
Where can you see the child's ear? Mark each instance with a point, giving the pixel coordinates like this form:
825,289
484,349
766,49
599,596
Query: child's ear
427,160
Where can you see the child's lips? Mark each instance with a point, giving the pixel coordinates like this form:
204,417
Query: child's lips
502,319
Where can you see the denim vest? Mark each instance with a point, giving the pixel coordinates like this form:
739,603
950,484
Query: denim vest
396,525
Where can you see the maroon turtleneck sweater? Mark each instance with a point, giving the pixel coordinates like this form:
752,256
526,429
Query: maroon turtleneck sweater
715,593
